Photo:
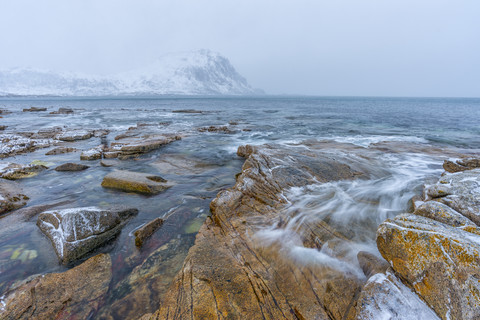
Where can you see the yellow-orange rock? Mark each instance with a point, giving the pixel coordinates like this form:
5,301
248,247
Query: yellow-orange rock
73,294
229,275
441,262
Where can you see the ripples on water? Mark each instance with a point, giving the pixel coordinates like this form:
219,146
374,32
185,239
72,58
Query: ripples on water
355,207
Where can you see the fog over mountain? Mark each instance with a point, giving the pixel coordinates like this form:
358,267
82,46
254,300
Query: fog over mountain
201,72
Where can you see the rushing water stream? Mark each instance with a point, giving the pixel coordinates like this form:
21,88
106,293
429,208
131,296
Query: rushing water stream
208,164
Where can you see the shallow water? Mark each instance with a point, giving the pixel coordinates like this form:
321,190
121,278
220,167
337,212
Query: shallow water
357,207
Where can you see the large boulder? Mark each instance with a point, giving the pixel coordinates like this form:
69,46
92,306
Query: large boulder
384,296
73,294
135,182
441,262
134,146
460,191
11,196
229,273
75,232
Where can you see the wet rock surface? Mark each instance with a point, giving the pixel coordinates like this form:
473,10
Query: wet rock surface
73,294
92,154
60,150
11,196
441,262
129,148
145,231
384,296
460,191
461,164
34,109
226,273
15,171
129,181
74,135
75,232
63,111
13,144
71,167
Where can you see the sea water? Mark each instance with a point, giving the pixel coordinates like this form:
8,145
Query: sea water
419,133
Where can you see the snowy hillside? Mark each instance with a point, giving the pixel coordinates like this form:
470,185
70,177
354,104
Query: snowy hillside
197,73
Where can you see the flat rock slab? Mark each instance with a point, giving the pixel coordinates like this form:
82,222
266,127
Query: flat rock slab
16,171
60,150
441,263
13,144
73,294
11,196
75,232
135,182
34,109
74,135
71,167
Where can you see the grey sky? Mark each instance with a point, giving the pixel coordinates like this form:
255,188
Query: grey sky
345,47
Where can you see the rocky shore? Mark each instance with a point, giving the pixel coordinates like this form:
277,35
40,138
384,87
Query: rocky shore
255,256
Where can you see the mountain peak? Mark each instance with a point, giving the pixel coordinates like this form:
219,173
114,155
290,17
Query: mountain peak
200,72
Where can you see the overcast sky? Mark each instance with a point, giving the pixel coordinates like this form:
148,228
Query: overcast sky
318,47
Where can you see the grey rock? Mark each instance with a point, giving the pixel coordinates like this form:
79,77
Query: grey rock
71,167
60,150
92,154
63,111
461,192
11,196
76,231
74,135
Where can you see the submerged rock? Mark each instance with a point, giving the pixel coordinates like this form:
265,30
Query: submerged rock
73,294
187,111
63,111
60,150
145,231
75,232
441,262
71,167
135,182
227,273
11,196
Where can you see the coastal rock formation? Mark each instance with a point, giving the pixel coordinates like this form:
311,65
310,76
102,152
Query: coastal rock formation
145,231
135,182
441,262
13,144
14,171
63,111
71,167
34,109
11,196
460,191
75,232
92,154
74,135
384,296
461,164
60,150
73,294
228,274
132,147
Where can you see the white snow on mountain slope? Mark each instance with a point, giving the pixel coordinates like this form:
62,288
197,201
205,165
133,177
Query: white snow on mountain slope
199,72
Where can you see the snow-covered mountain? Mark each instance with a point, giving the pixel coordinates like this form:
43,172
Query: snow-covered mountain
192,73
